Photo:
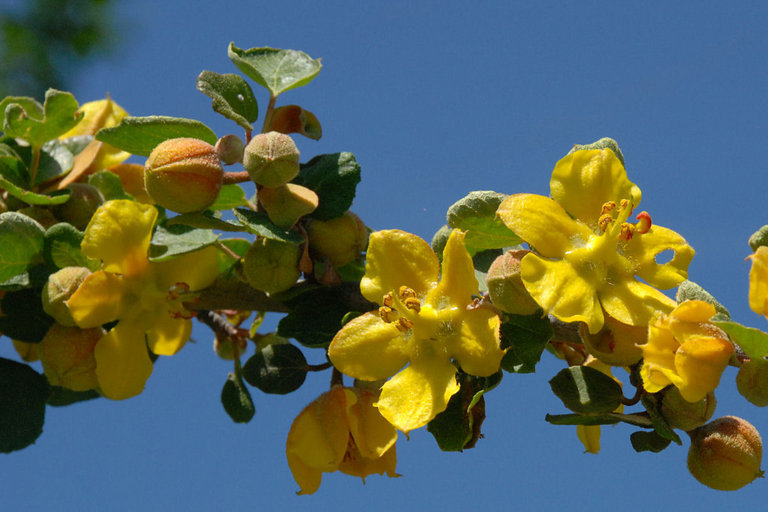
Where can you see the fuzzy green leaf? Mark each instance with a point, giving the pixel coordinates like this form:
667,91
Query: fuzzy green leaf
476,214
277,70
230,196
174,240
21,244
140,135
24,120
258,223
753,342
334,179
232,97
62,246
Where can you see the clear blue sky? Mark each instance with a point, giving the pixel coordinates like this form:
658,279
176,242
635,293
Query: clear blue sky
437,99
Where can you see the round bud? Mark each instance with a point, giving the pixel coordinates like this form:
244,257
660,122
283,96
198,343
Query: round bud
59,288
230,149
84,199
271,159
752,381
183,175
505,286
341,240
271,265
685,415
225,347
725,454
67,357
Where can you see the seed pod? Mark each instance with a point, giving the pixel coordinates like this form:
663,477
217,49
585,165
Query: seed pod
271,159
59,288
271,265
83,201
505,286
685,415
230,149
67,357
341,240
752,382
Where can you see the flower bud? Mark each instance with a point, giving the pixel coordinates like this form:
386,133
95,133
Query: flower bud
752,381
271,265
67,357
83,200
183,175
341,240
725,454
685,415
505,286
271,159
59,288
230,149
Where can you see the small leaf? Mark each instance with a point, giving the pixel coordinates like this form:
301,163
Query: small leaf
660,424
61,397
759,238
277,70
578,419
258,223
232,97
58,197
230,196
169,241
294,119
140,135
205,220
753,342
21,244
643,441
526,336
109,184
55,160
23,393
237,400
23,316
585,390
688,290
276,369
476,214
440,239
62,246
334,179
23,119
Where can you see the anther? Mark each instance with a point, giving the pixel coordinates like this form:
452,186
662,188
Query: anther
627,230
404,325
604,221
644,222
608,207
413,303
406,292
626,203
388,314
387,300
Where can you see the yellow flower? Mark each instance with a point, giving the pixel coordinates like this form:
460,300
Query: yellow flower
341,430
685,350
589,435
97,115
587,254
424,319
758,282
142,296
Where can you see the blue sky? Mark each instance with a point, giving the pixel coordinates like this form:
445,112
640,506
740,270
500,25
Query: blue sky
437,99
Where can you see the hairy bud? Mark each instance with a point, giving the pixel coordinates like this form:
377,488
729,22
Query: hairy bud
685,415
725,454
271,265
341,240
59,288
271,159
183,175
752,382
505,286
230,149
67,357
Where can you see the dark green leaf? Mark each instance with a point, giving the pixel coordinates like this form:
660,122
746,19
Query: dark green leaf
109,185
277,369
660,425
170,241
585,390
23,119
476,214
334,179
14,171
23,393
62,246
643,441
205,220
277,70
230,196
21,244
578,419
525,337
140,135
258,223
237,400
60,396
23,316
232,97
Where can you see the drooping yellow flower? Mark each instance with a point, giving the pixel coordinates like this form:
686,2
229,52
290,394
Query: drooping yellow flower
586,253
685,350
758,282
340,431
589,435
616,344
142,296
425,319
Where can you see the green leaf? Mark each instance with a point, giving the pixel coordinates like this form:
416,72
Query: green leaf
688,290
55,160
753,342
23,316
605,142
230,196
169,241
23,393
205,220
237,400
109,185
585,390
21,244
578,419
61,397
759,238
334,179
13,171
278,369
476,214
277,70
440,239
232,97
660,424
24,120
525,337
62,246
30,105
58,197
228,292
643,441
258,223
140,135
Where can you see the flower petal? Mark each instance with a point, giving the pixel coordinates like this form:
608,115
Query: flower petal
658,370
758,282
476,346
395,258
373,434
457,280
642,250
98,300
543,224
417,394
119,234
368,348
585,180
589,435
122,361
634,303
166,335
700,362
562,291
197,269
